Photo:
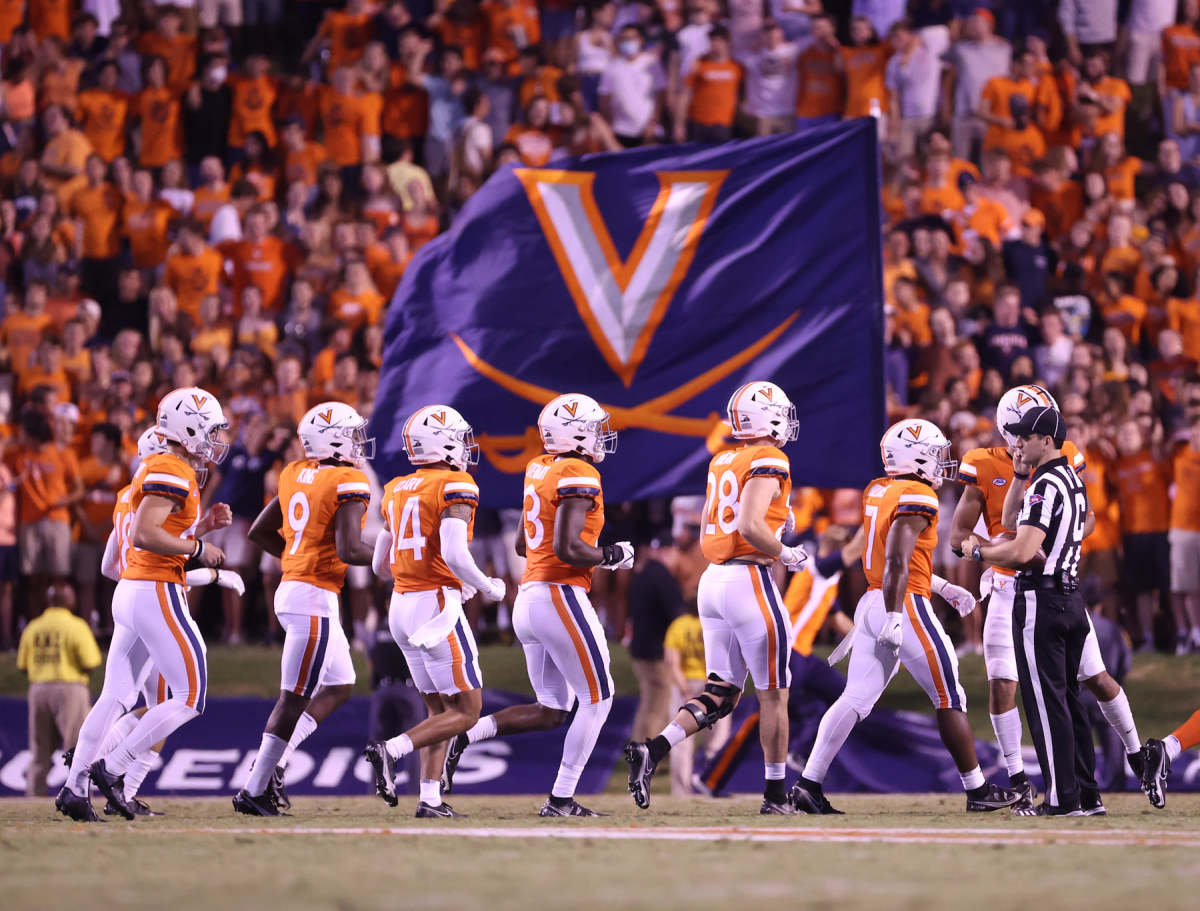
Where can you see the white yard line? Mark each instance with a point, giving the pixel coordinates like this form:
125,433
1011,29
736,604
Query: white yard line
1030,836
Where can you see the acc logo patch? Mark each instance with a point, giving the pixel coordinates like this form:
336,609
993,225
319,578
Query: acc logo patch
1035,499
999,482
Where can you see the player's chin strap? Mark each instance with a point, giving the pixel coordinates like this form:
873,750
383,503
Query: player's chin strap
436,630
713,711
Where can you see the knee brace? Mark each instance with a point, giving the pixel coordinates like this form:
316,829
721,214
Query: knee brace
717,701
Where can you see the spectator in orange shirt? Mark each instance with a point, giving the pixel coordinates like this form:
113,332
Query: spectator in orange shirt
260,260
253,98
1145,517
22,327
175,47
146,220
302,158
212,193
1108,93
1022,140
820,88
1181,48
1119,169
995,101
864,64
535,77
357,302
194,270
212,330
103,473
102,112
985,217
531,135
939,193
510,25
708,101
1121,309
46,369
1184,534
387,261
351,125
345,33
156,107
1183,315
47,486
97,211
912,316
64,155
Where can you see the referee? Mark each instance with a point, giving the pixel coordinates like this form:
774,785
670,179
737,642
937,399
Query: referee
1050,621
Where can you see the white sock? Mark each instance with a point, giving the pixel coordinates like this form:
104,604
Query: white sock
578,745
1120,716
774,770
972,779
399,747
136,773
305,725
1173,747
675,734
157,724
431,792
118,732
484,729
1007,726
269,751
96,726
835,727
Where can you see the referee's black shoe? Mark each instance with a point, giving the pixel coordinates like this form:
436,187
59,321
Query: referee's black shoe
1045,809
989,797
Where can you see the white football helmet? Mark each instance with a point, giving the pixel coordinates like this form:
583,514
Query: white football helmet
334,430
1014,403
762,409
192,418
918,447
576,423
438,433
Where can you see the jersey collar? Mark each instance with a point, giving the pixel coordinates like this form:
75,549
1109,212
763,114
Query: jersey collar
1049,466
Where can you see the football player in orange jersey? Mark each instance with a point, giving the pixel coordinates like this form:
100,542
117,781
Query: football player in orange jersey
429,517
746,628
315,535
987,475
149,608
894,622
566,654
151,683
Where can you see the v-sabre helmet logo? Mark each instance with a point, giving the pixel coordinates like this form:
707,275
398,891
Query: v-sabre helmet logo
622,302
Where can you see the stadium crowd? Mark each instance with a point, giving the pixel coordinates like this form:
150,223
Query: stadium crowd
228,193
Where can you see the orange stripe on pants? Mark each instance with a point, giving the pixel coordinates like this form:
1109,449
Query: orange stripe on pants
162,688
931,658
459,661
772,650
188,659
314,634
565,616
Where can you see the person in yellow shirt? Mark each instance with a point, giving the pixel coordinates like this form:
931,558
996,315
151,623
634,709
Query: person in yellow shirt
683,649
57,651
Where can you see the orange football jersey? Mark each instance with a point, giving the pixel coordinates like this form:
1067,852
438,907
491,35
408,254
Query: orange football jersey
728,473
412,509
549,480
310,494
884,500
122,519
991,470
164,475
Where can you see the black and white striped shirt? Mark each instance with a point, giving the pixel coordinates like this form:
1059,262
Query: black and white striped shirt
1057,503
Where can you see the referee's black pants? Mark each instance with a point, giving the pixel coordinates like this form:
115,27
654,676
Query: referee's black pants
1049,629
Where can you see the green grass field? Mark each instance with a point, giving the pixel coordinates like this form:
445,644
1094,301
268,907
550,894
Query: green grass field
887,852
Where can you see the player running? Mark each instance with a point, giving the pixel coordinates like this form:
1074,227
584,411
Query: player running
429,517
315,536
566,653
894,622
152,685
746,627
150,613
987,475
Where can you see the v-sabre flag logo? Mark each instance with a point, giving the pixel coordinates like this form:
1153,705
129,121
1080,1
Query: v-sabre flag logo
656,281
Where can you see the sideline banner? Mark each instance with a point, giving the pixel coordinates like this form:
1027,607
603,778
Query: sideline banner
657,281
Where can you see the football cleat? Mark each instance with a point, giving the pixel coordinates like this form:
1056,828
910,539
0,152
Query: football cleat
385,771
277,791
1136,764
252,805
812,802
1028,794
138,806
771,808
571,808
442,811
112,787
996,798
1156,766
641,770
1045,809
454,752
75,807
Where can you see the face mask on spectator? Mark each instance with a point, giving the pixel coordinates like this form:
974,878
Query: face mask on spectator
629,47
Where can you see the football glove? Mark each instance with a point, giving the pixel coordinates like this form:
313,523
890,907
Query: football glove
793,557
617,556
891,634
